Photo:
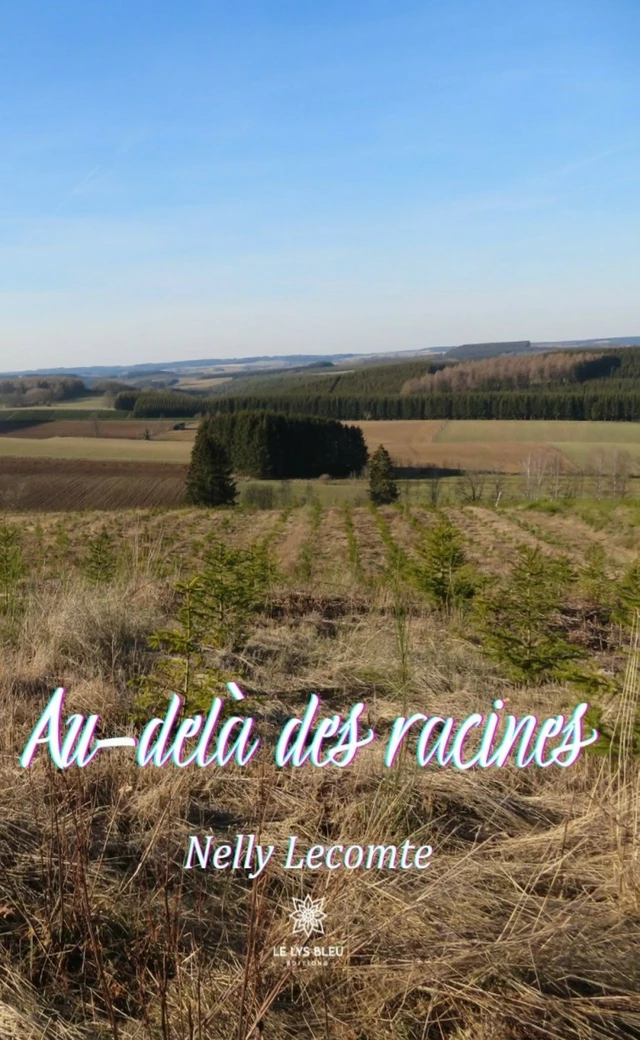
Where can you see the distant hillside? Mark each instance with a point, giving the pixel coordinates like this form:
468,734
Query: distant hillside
600,385
517,372
616,341
175,367
470,351
374,378
264,363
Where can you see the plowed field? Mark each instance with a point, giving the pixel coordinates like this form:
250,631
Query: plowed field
61,484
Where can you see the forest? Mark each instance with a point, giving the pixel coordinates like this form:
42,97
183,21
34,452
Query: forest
516,372
559,385
271,446
27,391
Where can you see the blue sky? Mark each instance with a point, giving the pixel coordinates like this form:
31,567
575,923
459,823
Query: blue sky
223,179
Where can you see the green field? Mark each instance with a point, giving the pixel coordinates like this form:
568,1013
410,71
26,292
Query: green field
584,454
507,431
90,401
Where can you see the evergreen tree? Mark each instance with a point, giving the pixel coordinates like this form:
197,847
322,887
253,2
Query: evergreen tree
626,592
213,615
209,477
101,561
519,618
444,576
595,581
382,486
233,586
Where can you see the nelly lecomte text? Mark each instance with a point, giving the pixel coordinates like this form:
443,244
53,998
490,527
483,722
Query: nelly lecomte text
484,741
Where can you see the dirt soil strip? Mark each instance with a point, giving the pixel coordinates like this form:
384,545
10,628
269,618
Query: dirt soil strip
402,532
333,565
373,557
507,531
294,534
579,536
425,517
491,541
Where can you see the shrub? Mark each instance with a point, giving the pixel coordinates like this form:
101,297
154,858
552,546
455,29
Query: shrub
213,611
101,562
626,594
519,618
444,574
595,581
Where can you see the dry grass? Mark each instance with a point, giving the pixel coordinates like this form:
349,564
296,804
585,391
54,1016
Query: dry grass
525,927
107,448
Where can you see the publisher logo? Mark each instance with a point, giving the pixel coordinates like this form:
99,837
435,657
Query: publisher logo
308,916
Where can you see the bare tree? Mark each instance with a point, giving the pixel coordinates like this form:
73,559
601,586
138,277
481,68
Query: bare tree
534,472
472,485
525,469
540,468
573,486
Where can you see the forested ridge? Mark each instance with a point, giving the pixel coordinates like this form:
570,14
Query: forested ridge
559,385
517,372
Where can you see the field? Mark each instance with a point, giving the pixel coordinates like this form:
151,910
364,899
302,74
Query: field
539,432
37,483
111,448
524,927
501,444
202,384
455,445
127,429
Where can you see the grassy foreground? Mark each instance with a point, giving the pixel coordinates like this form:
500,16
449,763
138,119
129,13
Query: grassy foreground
526,925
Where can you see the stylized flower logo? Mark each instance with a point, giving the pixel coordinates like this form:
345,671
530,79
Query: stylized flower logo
308,916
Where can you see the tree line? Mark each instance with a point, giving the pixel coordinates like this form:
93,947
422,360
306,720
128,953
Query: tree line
574,404
574,385
273,446
27,391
